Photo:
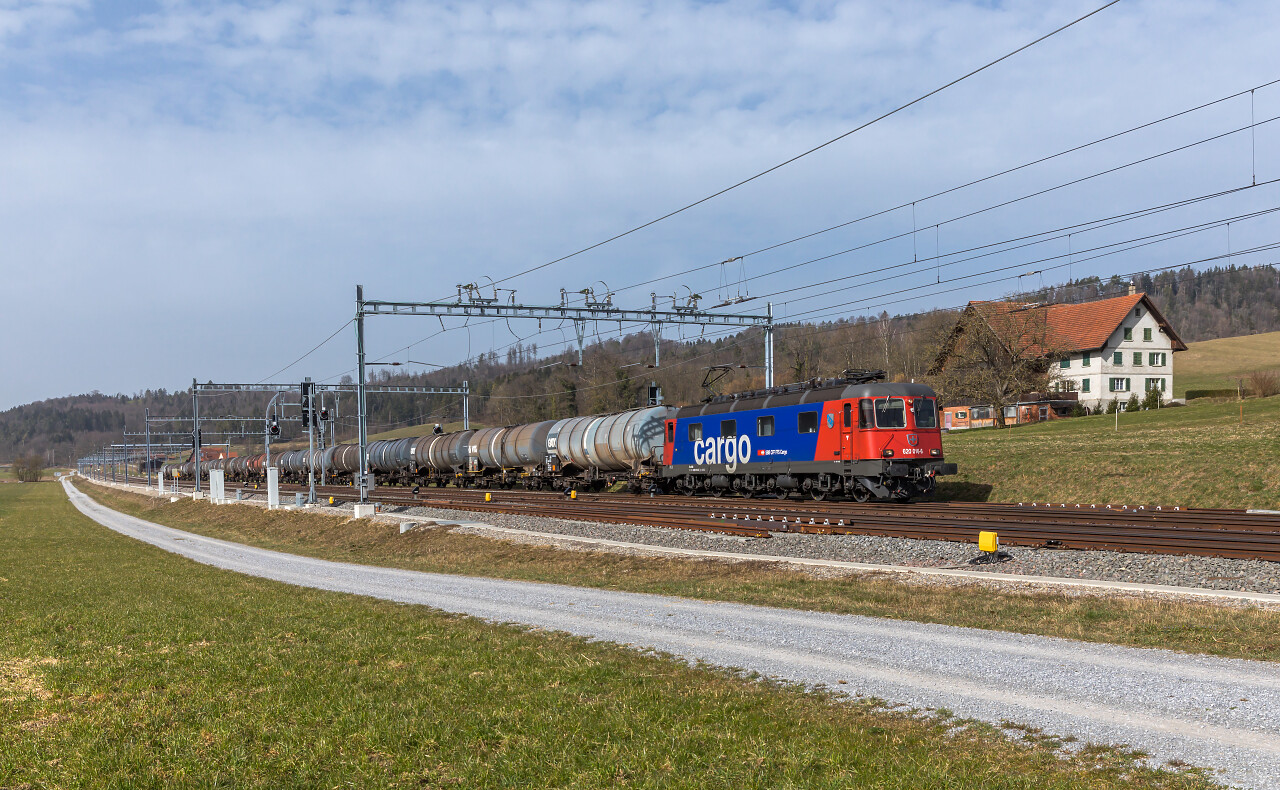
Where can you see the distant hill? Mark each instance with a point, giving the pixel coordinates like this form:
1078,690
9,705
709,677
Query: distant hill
1220,364
522,385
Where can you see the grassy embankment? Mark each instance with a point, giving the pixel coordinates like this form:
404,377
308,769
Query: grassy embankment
124,666
1199,455
1219,364
1201,628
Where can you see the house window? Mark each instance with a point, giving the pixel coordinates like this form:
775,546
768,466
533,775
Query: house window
1065,363
695,431
1119,385
1155,359
1146,335
807,422
1011,413
728,427
1155,384
1084,360
764,426
1084,385
1128,333
1117,358
1137,358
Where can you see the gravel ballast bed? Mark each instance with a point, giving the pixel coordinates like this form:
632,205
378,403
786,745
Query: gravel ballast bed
1163,569
1160,569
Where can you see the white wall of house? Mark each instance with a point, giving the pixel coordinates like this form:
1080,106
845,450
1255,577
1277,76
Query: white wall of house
1146,361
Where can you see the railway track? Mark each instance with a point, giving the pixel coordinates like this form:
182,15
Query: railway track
1234,534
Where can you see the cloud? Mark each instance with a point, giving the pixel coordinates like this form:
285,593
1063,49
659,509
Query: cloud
223,174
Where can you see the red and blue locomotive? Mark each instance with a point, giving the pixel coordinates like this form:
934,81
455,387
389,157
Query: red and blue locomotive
856,436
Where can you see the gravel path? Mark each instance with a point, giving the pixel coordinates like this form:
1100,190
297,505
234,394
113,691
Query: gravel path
1220,713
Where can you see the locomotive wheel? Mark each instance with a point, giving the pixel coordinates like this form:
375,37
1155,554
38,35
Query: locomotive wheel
817,494
861,494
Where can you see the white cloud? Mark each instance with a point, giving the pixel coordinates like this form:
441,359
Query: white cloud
293,149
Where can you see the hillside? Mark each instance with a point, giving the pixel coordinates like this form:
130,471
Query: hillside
1193,456
1219,364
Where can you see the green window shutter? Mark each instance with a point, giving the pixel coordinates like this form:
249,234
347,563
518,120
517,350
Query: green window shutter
1128,333
1084,361
1066,363
1137,358
1084,385
1117,358
1146,334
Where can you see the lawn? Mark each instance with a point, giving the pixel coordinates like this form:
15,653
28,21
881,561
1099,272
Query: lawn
1200,455
1193,627
124,666
1218,364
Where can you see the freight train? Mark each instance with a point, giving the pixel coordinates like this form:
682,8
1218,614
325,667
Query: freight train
855,437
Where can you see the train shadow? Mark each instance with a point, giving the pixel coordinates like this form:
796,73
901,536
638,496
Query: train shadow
962,492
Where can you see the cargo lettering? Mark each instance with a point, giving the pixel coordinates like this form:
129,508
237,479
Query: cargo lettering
722,450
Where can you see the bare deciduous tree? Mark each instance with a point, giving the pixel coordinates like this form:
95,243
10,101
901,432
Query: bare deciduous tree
996,352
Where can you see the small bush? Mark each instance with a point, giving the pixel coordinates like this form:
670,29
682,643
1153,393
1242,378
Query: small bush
1079,411
1153,400
1264,383
1133,404
29,469
1113,406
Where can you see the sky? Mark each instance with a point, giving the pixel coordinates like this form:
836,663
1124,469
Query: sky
193,190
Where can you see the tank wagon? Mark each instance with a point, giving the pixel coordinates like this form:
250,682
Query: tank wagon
857,437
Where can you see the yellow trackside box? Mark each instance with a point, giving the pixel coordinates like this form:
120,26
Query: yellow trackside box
488,497
988,542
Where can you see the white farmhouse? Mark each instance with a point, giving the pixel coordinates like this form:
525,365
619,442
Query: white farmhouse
1113,348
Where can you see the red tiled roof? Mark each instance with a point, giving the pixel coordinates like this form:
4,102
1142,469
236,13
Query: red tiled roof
1068,328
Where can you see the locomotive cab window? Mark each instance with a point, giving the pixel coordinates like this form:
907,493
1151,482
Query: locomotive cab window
925,413
807,422
728,427
866,417
764,426
695,431
891,413
671,432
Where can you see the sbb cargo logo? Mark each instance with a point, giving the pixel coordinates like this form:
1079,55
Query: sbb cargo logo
722,450
771,452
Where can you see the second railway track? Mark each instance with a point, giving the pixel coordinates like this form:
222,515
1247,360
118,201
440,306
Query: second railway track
1235,534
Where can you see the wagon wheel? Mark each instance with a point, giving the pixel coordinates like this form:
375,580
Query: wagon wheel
717,492
861,494
817,494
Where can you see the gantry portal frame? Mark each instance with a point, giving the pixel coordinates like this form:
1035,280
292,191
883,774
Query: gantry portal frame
473,305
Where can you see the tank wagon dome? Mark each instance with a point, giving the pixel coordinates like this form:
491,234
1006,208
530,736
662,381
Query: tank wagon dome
346,458
485,447
613,442
526,445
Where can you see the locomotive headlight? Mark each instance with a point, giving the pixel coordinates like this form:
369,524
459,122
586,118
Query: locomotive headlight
888,453
935,452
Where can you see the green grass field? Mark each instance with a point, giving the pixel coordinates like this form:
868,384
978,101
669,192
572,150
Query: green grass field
1217,364
124,666
1237,632
1198,455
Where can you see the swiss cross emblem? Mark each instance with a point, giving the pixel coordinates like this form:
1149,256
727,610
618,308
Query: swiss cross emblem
759,452
912,439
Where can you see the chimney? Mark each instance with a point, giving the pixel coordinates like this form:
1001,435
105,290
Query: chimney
1133,288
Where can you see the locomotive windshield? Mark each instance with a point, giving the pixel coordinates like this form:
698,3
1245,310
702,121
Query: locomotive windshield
891,413
925,412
